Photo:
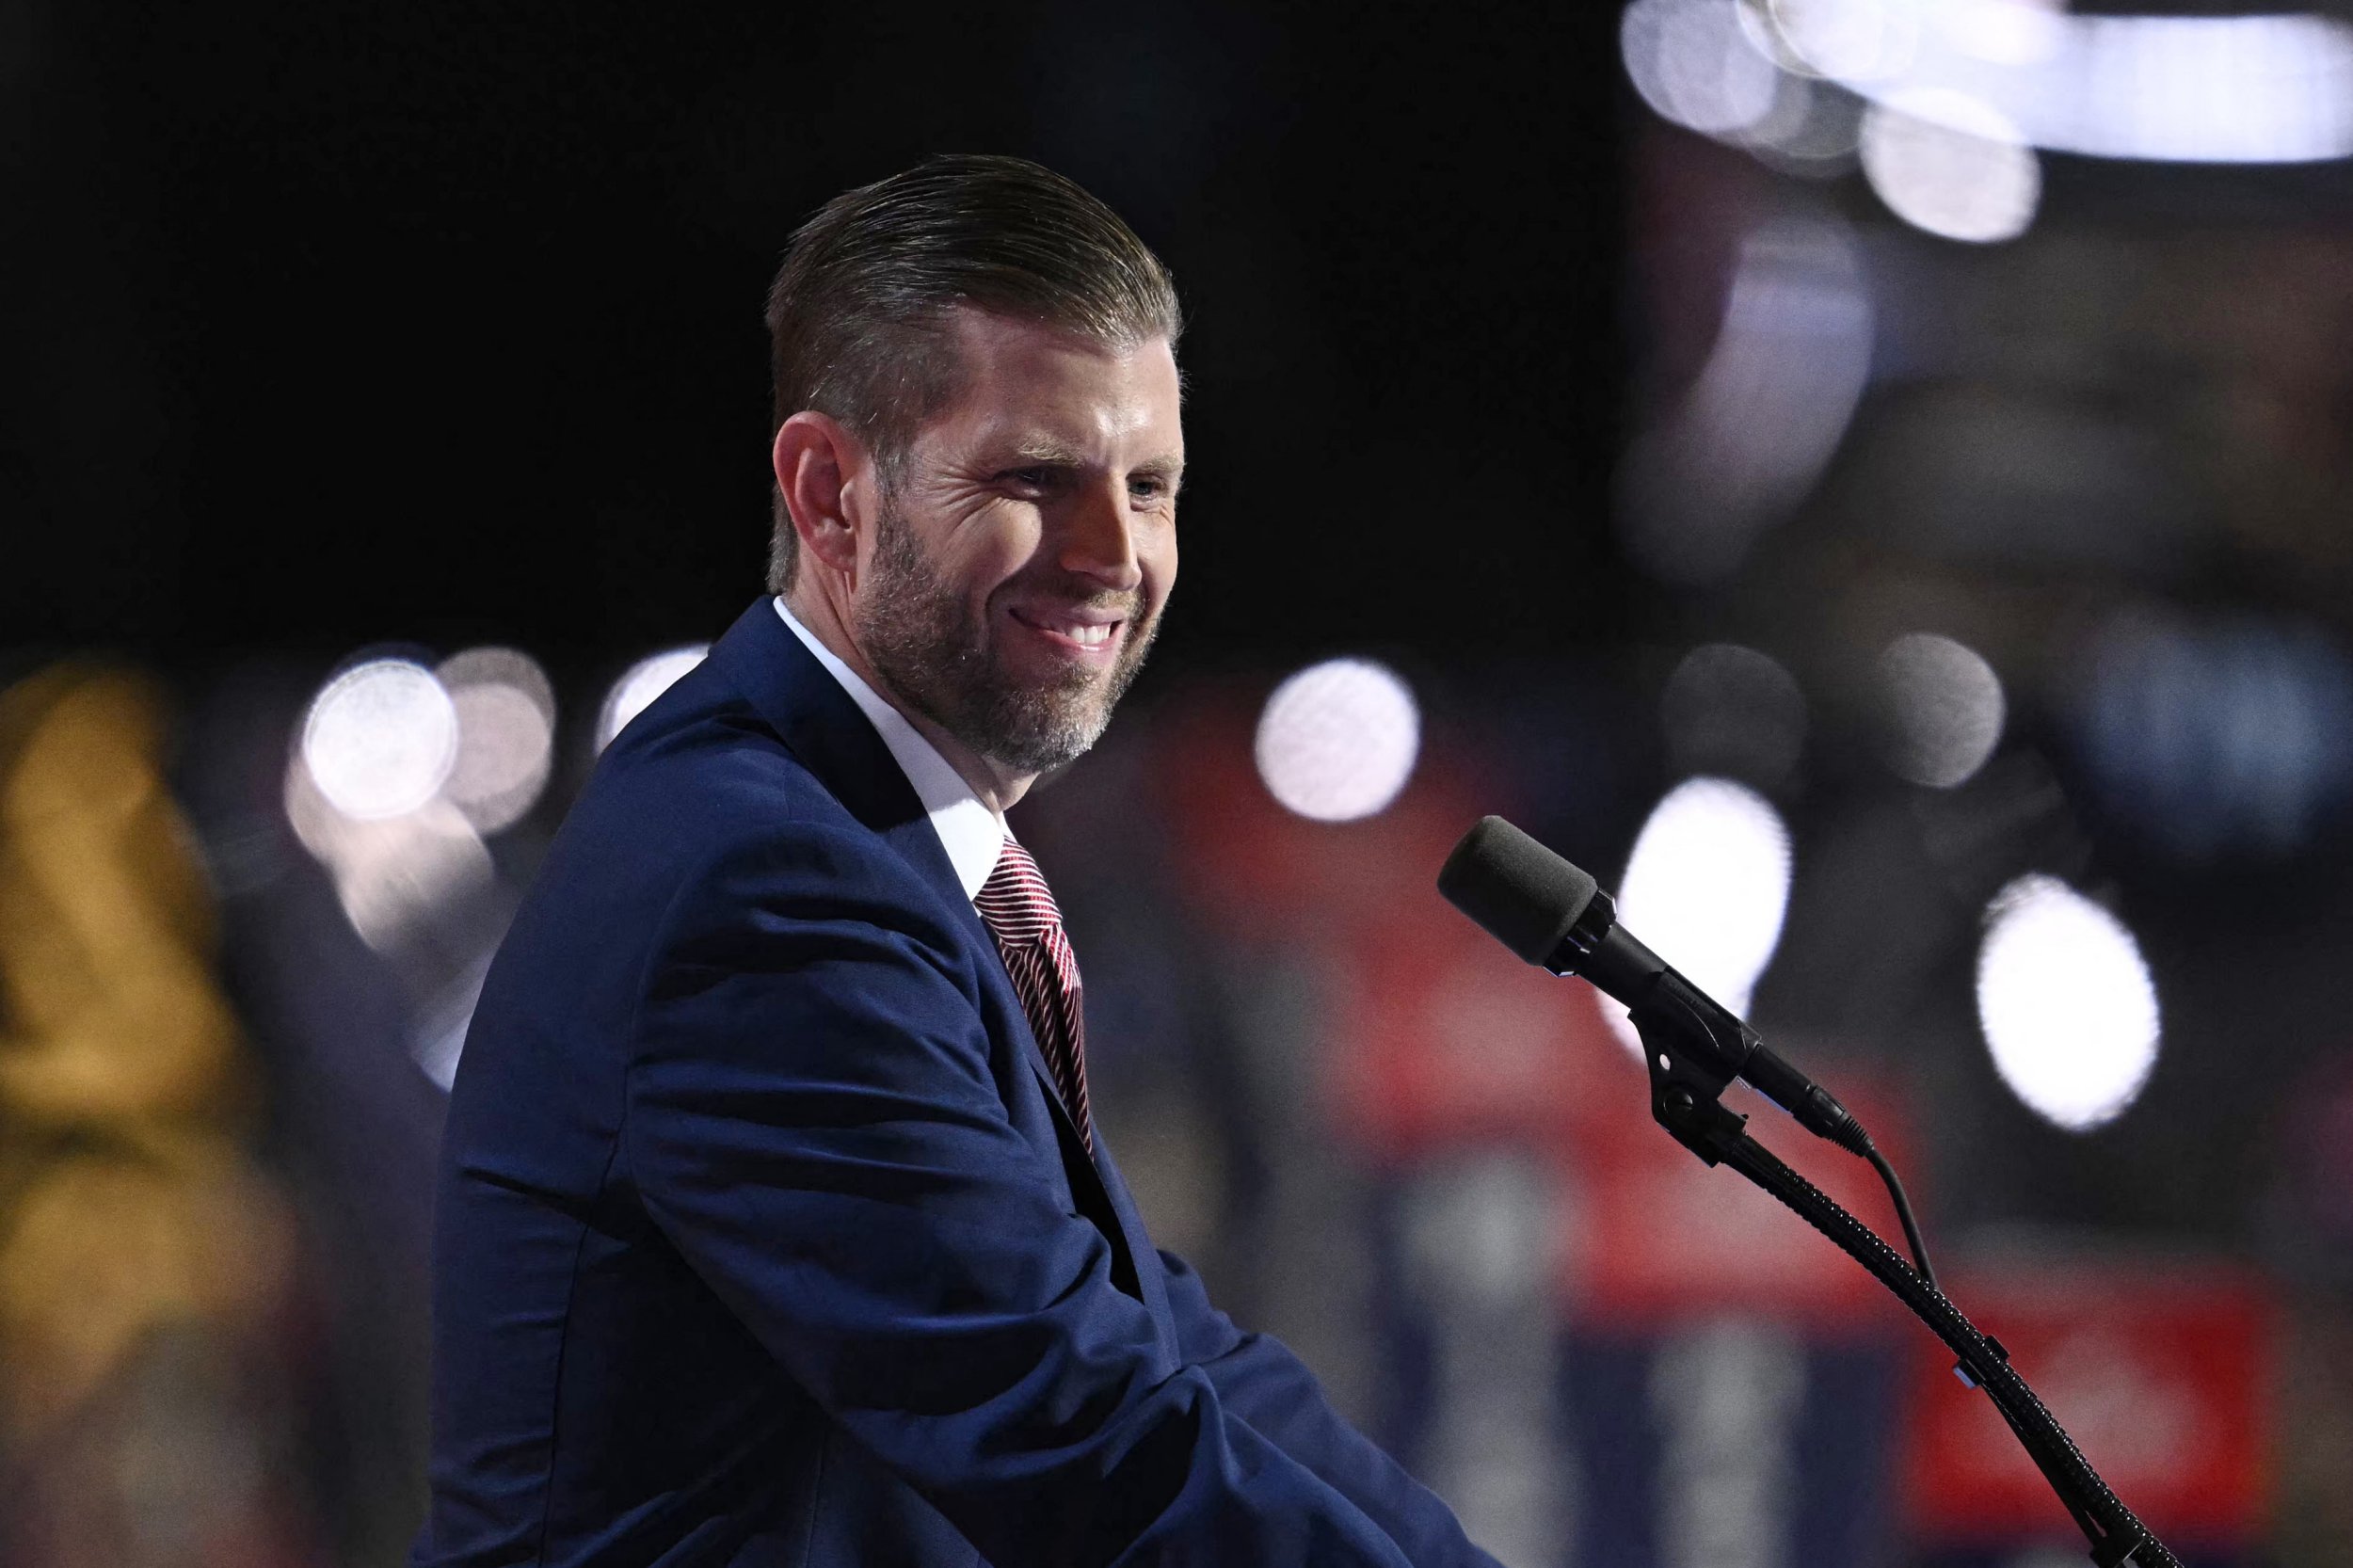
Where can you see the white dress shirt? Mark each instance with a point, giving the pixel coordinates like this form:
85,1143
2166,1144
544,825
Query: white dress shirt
972,835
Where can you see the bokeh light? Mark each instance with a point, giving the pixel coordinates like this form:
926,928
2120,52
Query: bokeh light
1731,710
2067,1004
1853,40
2205,89
1814,129
1706,888
1338,740
2003,32
395,874
1951,165
1766,412
1694,63
506,734
640,684
2233,735
1942,708
380,739
2250,88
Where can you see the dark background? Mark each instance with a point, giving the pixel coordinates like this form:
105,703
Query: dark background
337,322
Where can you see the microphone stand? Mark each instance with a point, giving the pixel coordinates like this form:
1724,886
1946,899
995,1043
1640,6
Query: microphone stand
1686,1085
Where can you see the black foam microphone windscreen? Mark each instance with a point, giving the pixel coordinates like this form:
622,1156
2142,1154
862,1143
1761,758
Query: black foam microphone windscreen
1526,896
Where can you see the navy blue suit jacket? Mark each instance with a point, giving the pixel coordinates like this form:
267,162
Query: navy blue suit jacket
764,1239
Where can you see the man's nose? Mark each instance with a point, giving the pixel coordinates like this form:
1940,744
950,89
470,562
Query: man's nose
1098,539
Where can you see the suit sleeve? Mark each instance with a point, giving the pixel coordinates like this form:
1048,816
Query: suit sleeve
812,1122
1259,1380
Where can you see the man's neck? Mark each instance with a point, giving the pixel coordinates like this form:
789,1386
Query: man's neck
824,616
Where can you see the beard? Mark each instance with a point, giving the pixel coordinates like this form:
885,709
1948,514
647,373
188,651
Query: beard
924,640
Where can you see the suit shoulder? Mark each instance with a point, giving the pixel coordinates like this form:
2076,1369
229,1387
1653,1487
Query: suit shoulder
711,780
714,812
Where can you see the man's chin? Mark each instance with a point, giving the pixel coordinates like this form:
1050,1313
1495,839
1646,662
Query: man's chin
1033,721
1040,742
1031,727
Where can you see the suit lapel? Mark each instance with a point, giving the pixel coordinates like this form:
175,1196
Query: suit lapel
819,721
815,716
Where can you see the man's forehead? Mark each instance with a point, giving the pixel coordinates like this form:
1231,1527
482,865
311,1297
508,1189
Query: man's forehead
1049,395
995,347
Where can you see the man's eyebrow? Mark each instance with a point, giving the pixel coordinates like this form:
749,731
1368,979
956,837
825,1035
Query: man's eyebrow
1045,449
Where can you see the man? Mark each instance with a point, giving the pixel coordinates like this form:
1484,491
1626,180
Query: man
773,1226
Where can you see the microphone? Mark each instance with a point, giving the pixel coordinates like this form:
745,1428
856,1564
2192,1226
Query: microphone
1559,918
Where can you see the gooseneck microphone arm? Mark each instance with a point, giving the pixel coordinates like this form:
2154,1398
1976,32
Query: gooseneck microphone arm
1556,916
1708,1045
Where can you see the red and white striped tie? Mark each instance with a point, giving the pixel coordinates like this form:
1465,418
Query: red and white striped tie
1021,913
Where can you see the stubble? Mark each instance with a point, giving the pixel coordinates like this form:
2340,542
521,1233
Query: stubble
924,640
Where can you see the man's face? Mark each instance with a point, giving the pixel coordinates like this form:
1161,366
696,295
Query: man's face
1016,575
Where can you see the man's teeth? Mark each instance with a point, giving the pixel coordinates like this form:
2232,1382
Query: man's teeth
1094,635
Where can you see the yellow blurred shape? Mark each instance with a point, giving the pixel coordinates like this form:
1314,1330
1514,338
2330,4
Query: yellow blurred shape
126,1206
106,928
104,1247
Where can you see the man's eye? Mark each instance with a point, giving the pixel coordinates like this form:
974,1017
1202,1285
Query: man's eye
1147,489
1031,478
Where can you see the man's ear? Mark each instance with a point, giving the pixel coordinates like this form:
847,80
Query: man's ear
815,459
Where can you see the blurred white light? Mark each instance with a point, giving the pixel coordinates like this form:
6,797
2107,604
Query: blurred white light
2256,88
1707,887
380,739
1950,165
1944,708
438,1039
1734,710
2068,1007
1854,41
1693,62
1813,130
2210,89
506,734
393,874
1766,412
322,829
2007,32
1336,741
640,684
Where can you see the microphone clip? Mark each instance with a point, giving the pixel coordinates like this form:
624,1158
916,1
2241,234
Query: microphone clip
1688,1073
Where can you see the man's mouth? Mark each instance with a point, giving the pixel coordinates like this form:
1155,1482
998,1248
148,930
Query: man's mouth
1082,630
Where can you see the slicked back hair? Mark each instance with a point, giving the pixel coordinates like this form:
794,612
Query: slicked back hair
858,316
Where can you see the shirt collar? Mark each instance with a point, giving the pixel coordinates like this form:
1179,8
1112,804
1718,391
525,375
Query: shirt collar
972,835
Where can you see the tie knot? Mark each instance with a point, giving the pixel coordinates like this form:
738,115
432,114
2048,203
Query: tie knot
1013,902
